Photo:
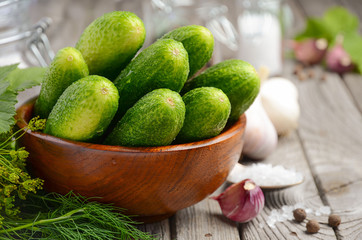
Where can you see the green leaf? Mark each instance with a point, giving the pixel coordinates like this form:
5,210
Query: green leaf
21,79
314,29
7,100
352,44
4,71
12,81
336,20
7,110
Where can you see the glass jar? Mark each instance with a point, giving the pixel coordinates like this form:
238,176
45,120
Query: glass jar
260,31
21,42
161,16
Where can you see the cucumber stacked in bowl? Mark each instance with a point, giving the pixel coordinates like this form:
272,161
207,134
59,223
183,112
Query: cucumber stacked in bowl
100,91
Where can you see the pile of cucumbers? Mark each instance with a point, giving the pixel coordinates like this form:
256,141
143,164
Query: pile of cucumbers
100,91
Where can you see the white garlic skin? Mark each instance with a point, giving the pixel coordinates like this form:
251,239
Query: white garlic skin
279,97
260,137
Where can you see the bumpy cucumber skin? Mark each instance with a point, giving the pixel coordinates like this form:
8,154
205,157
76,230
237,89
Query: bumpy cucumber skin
110,42
236,78
67,67
84,110
207,112
198,42
164,64
155,120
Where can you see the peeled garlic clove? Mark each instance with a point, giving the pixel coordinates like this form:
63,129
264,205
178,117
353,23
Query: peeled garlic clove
241,202
260,137
279,97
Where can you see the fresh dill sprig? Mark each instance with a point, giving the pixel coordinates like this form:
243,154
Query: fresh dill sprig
71,217
15,182
26,214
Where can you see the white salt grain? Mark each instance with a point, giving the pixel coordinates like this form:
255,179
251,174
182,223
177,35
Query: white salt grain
324,210
271,221
308,210
288,212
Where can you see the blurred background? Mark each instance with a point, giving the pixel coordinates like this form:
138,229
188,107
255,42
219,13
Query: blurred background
252,30
257,31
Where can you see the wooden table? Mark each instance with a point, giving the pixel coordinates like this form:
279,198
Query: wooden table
326,148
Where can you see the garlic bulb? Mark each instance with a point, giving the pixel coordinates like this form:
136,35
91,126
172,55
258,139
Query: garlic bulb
338,60
279,97
310,51
241,202
260,137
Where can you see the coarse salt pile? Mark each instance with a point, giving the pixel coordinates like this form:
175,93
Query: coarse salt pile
265,175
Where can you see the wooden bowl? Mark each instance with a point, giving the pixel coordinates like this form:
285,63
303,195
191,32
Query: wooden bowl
150,182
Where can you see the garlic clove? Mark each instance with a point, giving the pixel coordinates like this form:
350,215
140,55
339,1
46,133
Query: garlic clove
310,51
279,97
260,137
338,60
241,202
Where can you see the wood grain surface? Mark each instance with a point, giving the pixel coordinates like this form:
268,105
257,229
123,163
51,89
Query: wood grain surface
326,148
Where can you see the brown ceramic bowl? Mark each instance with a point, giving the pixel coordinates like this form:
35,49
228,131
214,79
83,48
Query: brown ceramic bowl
151,182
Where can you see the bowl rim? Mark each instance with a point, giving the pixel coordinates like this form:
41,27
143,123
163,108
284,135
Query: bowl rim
238,126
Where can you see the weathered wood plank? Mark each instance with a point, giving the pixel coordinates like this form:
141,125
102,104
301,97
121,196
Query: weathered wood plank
289,153
161,230
288,230
332,137
203,221
354,84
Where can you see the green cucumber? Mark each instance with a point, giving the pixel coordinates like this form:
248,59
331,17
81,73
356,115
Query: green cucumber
110,42
207,112
155,120
164,64
236,78
198,42
67,67
84,110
